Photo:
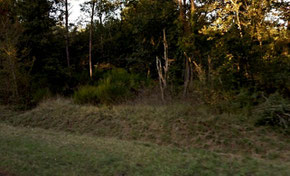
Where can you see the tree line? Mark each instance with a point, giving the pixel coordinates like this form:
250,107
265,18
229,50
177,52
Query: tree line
211,46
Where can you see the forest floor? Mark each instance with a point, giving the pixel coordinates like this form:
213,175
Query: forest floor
61,138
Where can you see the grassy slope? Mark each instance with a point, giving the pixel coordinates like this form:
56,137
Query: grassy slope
178,125
26,151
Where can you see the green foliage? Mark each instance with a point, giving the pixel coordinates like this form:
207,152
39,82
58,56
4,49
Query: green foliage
237,48
241,102
41,94
14,77
143,22
115,86
275,111
236,101
87,94
276,77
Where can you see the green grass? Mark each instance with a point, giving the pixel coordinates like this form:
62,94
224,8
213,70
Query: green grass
34,151
181,125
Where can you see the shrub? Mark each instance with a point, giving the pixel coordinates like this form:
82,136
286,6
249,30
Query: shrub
41,94
245,99
117,85
274,112
235,101
86,94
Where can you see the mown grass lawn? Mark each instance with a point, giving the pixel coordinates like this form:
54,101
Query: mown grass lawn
34,151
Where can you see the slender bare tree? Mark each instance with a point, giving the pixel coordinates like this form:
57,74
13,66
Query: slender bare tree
90,40
67,33
163,68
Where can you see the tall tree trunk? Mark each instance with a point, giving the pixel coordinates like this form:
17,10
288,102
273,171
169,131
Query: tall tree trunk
188,73
90,40
101,35
187,31
67,33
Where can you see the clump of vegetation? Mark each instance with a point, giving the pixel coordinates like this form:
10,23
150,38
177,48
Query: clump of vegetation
115,86
239,101
87,94
242,101
275,111
41,94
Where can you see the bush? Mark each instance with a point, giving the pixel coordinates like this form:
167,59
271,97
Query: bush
115,86
41,94
236,101
274,112
245,99
86,94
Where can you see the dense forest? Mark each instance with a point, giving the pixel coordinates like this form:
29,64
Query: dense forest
220,51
